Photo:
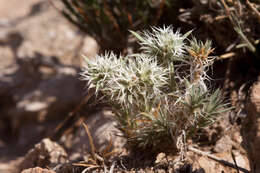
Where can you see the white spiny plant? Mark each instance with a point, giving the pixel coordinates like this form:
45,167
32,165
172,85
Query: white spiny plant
160,94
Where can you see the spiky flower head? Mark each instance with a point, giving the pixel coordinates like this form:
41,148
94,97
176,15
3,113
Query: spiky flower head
200,52
98,72
126,79
199,60
163,43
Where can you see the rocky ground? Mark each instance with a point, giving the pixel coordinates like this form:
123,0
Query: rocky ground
40,55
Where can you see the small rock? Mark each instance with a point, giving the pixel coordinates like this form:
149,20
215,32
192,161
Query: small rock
68,168
102,129
35,106
89,48
160,157
161,171
223,145
9,165
37,170
241,160
211,166
45,153
236,136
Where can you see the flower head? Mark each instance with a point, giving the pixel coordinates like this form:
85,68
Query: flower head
164,43
126,79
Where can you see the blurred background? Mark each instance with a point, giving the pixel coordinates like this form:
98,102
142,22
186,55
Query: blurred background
40,54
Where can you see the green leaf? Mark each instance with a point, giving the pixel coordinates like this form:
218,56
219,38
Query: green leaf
137,36
130,98
188,33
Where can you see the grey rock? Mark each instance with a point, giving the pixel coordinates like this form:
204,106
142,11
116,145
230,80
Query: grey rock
46,153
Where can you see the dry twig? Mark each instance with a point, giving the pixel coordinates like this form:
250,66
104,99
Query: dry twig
228,13
93,149
211,156
98,159
252,7
227,55
73,117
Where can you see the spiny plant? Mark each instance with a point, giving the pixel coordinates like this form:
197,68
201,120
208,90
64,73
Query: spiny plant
109,20
240,18
162,93
238,14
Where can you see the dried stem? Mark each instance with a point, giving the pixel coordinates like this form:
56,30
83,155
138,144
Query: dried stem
211,156
252,7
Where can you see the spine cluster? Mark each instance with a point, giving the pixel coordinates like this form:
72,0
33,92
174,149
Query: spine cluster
160,93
